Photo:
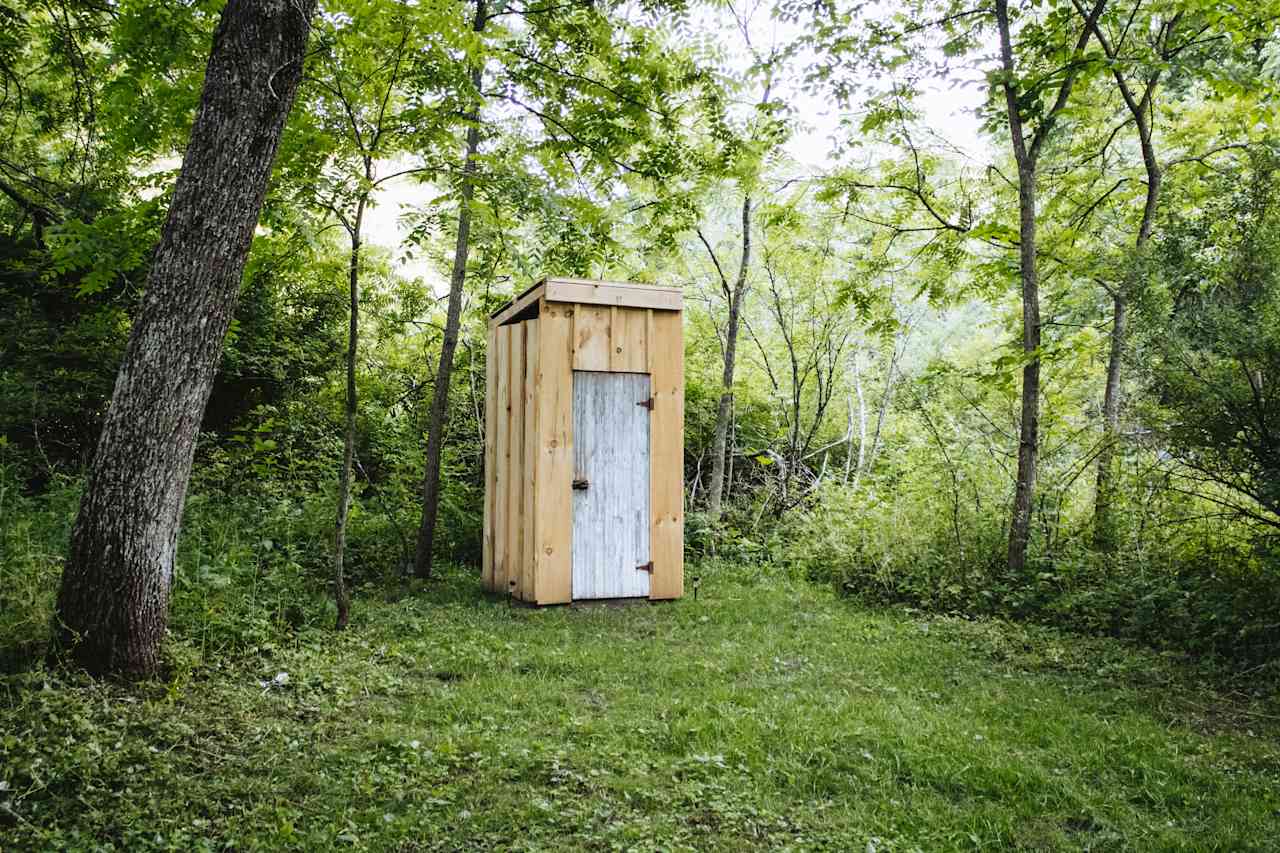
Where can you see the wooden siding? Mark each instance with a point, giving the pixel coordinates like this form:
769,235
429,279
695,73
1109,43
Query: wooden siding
529,515
591,342
584,291
588,291
553,474
502,460
515,457
529,438
490,453
666,453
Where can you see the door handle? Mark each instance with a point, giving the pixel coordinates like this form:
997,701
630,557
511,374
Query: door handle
580,485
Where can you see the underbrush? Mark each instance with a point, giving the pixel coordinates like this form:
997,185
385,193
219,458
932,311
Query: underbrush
1214,599
252,570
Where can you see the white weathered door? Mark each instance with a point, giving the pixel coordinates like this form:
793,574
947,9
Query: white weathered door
611,485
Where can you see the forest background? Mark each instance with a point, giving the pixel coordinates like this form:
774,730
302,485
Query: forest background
928,362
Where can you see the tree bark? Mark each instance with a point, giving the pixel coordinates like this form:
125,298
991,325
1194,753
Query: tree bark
1103,526
453,321
862,425
112,608
715,488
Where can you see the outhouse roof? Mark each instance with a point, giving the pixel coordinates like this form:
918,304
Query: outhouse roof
588,292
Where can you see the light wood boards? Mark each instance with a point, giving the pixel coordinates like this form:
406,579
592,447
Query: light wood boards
490,454
515,457
614,293
666,453
529,540
591,338
502,460
590,292
610,339
515,306
529,517
553,472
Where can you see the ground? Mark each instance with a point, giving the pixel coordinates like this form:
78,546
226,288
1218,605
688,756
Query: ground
767,714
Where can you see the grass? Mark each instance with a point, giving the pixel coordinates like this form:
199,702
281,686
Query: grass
764,715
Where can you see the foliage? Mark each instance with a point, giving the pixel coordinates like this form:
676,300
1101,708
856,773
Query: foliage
1210,343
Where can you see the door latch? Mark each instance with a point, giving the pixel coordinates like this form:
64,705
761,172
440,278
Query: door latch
580,485
647,567
648,404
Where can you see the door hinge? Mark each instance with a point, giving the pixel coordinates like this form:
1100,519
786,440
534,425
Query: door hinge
648,404
647,567
580,484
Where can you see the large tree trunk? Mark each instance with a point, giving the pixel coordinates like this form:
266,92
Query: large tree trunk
715,489
112,607
341,599
452,323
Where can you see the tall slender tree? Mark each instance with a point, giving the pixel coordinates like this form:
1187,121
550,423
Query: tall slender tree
112,607
453,314
735,295
361,114
1151,54
745,157
1031,125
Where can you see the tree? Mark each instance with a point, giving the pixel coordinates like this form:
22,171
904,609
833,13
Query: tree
1209,345
360,108
79,222
112,606
1039,64
1023,107
735,296
1148,51
744,159
453,316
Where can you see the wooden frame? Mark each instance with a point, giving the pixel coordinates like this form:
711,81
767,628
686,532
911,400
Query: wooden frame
536,342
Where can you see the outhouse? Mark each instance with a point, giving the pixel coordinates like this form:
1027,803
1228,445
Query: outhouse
584,443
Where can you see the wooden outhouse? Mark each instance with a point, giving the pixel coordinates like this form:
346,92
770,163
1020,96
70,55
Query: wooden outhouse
584,443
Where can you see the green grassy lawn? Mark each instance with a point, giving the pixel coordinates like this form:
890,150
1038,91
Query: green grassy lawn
766,715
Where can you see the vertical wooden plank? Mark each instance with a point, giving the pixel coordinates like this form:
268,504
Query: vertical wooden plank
615,338
490,467
611,519
502,461
649,343
554,464
515,479
591,335
666,436
630,351
530,515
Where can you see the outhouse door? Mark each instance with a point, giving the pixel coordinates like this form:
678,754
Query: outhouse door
611,485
